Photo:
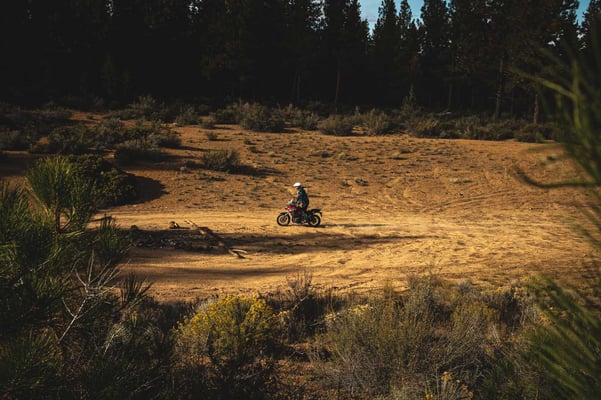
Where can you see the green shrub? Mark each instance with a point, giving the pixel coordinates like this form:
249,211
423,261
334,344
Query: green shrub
154,134
30,366
31,236
377,123
132,151
501,130
145,107
125,114
306,120
467,122
140,130
426,127
209,122
34,122
221,160
70,329
111,185
187,116
148,107
260,118
233,338
64,194
535,133
52,115
14,140
167,138
309,121
289,113
109,133
71,140
409,108
228,115
337,125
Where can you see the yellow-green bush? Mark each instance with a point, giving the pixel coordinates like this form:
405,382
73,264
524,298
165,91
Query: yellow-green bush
232,339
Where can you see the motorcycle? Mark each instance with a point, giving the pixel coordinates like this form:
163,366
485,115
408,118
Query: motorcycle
294,214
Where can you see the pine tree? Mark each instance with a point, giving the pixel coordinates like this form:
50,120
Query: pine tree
408,58
434,35
592,18
470,49
302,23
345,37
356,33
520,31
18,69
386,47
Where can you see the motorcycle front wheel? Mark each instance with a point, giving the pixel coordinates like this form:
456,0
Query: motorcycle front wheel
314,220
283,219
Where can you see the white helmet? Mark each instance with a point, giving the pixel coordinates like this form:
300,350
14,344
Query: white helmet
297,184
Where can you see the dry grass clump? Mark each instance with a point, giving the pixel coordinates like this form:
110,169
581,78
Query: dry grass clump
256,117
337,125
221,160
407,343
187,116
304,119
377,123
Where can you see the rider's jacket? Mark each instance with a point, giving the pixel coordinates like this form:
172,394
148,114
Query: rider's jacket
302,199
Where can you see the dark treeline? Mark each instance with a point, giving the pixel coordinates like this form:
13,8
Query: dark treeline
458,55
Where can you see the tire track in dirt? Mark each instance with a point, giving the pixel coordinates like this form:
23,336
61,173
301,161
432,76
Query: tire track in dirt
393,206
356,250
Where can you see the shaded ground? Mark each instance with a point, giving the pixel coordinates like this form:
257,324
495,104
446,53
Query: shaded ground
393,206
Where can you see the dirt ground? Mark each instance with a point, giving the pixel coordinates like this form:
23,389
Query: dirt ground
393,207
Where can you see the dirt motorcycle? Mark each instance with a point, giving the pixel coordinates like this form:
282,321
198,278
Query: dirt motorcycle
295,215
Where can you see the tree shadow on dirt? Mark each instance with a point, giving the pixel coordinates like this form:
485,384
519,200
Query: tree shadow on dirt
355,225
303,242
311,242
191,148
148,189
154,275
15,162
253,171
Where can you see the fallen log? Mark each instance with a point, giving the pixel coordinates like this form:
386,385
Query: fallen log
216,239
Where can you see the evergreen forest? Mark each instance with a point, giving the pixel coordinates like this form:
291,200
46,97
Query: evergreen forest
459,55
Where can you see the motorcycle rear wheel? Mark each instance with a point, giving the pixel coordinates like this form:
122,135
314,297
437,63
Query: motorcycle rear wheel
314,220
283,219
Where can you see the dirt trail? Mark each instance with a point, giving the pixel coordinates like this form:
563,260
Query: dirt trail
358,251
393,206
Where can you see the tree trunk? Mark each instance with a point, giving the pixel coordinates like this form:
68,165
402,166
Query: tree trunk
450,97
500,89
298,88
535,113
473,99
338,73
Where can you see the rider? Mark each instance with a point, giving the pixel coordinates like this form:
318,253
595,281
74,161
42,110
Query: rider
302,200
